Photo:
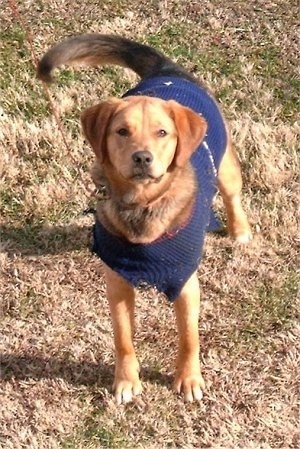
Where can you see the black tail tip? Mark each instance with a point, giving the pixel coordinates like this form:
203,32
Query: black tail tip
44,70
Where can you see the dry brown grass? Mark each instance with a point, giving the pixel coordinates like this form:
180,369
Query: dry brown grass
55,339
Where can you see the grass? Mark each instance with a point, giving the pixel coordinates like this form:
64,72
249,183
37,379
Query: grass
56,338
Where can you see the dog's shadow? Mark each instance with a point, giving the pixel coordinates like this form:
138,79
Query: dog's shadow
21,367
43,239
40,240
98,376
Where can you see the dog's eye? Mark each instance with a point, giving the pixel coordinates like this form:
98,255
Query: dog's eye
123,132
161,133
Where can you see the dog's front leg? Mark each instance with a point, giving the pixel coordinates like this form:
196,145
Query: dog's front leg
120,295
188,379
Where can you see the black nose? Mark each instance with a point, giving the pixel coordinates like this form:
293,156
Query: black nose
142,158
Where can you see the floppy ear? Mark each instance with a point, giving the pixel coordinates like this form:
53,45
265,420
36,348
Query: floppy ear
191,128
95,121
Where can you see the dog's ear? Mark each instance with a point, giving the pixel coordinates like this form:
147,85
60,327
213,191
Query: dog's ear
95,121
191,128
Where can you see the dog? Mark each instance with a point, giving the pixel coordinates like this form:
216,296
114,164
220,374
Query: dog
162,151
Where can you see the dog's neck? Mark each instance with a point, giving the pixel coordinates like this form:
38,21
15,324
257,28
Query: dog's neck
142,213
140,197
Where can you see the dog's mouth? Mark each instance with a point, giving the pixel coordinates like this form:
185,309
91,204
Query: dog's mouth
145,176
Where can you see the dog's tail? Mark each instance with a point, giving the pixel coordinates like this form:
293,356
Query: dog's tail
100,49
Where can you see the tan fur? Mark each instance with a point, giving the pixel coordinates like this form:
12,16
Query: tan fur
146,202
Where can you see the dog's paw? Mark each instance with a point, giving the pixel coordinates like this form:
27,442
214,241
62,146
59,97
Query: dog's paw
126,390
243,237
127,382
191,387
240,229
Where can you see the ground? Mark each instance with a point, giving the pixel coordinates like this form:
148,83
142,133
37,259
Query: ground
56,339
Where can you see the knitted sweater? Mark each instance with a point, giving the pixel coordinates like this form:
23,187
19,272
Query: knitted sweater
169,261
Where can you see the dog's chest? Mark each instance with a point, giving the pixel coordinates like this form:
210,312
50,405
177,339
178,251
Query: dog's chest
137,219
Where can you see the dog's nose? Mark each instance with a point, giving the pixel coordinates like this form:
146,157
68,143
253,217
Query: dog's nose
142,158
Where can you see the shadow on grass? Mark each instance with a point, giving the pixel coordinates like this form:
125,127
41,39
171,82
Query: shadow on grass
44,239
38,240
22,367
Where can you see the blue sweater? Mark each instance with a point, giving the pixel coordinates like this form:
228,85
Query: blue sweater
169,261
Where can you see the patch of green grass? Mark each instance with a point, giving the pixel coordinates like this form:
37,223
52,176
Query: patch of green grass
270,309
170,37
12,51
67,77
14,207
279,78
268,58
10,203
224,61
120,85
219,60
62,212
19,77
94,435
30,109
28,305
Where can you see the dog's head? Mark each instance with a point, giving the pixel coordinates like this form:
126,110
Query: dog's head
143,138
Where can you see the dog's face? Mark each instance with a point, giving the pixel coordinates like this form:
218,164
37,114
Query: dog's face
143,138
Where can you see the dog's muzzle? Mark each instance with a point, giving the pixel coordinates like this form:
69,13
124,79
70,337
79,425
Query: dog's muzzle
142,161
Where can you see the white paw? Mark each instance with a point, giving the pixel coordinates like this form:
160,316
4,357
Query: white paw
191,387
125,391
243,238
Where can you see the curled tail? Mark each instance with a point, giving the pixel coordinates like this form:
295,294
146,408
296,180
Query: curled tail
100,49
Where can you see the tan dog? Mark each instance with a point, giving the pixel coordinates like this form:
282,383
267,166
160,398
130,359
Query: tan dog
146,148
